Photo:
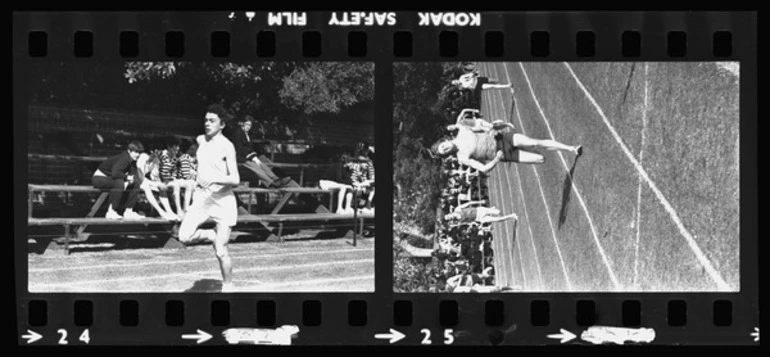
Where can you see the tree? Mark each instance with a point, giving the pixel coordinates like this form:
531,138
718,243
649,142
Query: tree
328,87
424,103
278,95
310,87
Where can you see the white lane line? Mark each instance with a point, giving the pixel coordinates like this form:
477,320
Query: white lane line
524,203
509,195
713,273
501,103
309,282
504,246
545,202
605,260
639,191
507,264
204,273
529,228
160,261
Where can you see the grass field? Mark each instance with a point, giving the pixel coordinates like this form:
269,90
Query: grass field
651,205
318,265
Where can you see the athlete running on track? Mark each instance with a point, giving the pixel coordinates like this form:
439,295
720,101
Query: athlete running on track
482,150
213,197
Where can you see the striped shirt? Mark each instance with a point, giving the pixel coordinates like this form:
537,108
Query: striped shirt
186,168
167,167
361,171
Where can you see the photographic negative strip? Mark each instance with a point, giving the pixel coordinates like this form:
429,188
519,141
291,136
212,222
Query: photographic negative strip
207,178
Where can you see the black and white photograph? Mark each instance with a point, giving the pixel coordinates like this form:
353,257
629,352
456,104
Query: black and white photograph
187,177
566,177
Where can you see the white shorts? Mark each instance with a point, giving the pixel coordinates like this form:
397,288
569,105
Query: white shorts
482,212
220,207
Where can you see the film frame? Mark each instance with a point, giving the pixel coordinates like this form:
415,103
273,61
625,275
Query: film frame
472,319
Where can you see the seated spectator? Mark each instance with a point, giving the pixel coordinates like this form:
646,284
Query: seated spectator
464,213
338,177
248,159
468,279
168,172
148,176
117,174
362,175
187,171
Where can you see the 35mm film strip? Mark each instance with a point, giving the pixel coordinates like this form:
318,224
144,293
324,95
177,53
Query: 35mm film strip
385,178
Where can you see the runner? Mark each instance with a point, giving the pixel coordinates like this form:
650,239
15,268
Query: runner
464,213
483,150
477,84
213,197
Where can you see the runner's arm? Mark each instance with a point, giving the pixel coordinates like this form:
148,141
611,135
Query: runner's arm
466,160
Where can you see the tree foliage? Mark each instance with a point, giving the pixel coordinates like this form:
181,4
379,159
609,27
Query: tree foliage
328,87
278,95
424,104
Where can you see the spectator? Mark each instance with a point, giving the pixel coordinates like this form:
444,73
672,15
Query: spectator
186,172
338,177
148,177
249,163
168,172
362,175
117,174
466,214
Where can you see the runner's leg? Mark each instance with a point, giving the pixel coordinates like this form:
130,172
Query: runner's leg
222,238
521,140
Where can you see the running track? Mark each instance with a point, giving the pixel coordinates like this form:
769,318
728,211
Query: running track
652,205
294,266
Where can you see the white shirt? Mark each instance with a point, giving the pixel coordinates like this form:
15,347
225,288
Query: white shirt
468,80
146,165
212,161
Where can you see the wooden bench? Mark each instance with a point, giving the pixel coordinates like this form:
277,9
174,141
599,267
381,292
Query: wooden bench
357,223
286,193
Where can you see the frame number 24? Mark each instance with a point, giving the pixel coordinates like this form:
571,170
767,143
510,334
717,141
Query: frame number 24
84,337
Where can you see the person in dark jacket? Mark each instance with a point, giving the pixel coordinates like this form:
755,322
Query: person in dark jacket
118,174
248,159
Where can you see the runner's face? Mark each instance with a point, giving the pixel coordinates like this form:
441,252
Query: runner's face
213,124
445,147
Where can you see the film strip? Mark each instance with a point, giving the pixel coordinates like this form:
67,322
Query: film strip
656,249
